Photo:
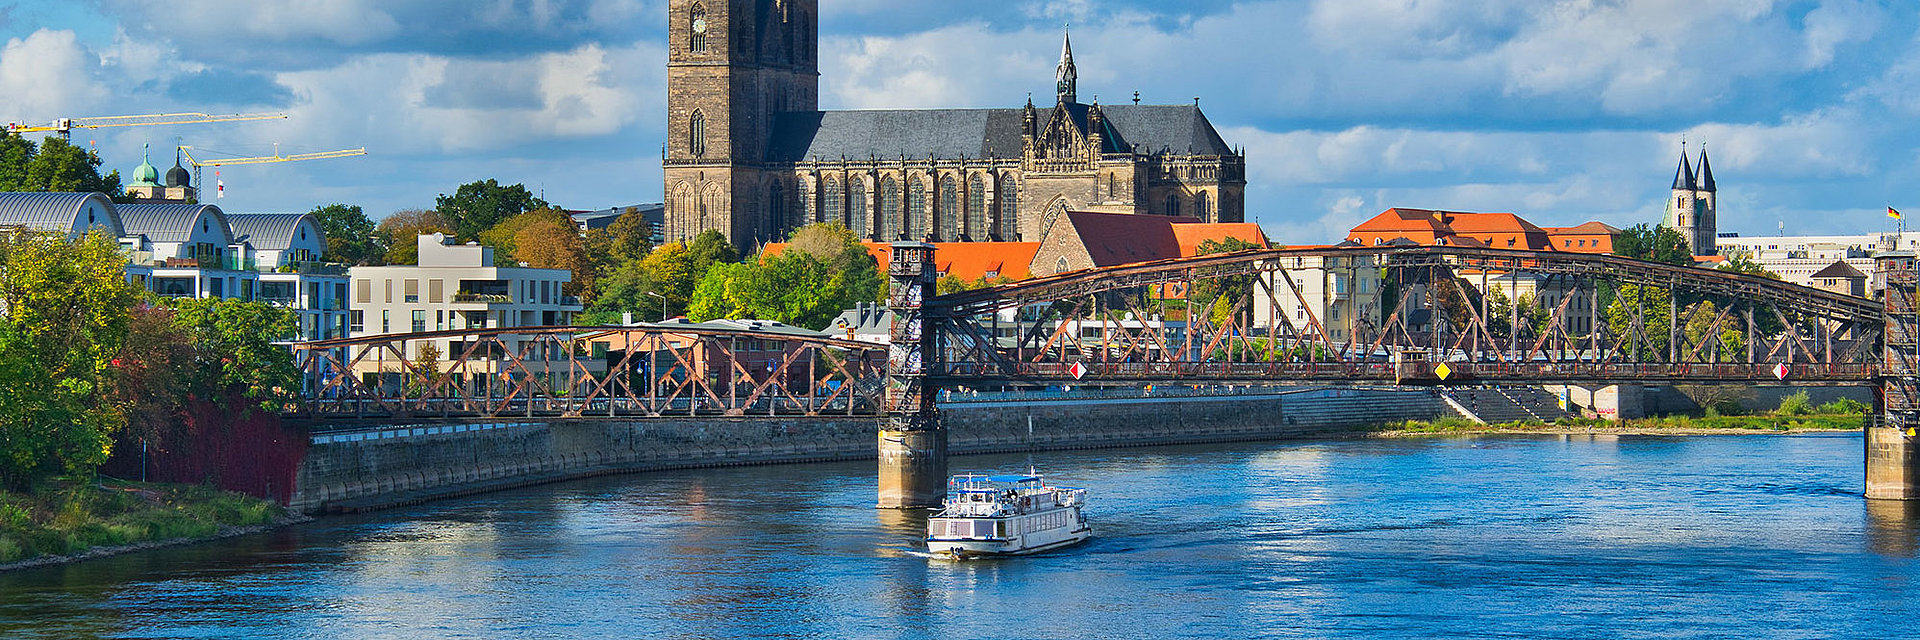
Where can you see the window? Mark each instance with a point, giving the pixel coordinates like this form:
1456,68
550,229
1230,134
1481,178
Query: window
889,219
419,320
363,291
388,285
436,291
948,212
857,209
977,208
916,209
1007,224
1060,264
1173,204
697,29
1200,204
697,134
386,321
412,290
777,209
832,207
356,321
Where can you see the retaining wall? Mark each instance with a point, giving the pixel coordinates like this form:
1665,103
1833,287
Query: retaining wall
412,463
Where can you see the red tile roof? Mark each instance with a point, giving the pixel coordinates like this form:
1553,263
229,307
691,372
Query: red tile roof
1192,235
966,260
1124,238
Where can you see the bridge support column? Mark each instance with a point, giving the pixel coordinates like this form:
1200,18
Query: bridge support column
1893,451
913,444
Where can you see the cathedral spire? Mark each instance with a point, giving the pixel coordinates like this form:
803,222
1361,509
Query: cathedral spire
1706,171
1066,79
1683,178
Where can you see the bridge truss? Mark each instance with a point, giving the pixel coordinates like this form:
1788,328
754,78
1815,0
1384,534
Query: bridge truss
1436,316
647,370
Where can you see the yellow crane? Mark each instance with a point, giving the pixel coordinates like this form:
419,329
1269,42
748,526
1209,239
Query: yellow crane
276,157
65,126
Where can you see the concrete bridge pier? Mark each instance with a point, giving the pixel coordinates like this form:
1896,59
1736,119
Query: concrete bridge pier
1893,451
913,444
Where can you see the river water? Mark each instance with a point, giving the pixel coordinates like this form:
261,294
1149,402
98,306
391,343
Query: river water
1510,536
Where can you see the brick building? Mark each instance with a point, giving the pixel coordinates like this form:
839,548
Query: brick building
750,154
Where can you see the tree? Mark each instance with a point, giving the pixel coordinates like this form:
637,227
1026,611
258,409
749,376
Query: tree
1655,318
1208,293
351,237
555,244
1742,263
477,206
148,387
627,239
1654,244
64,312
15,153
797,287
54,165
234,352
401,232
502,236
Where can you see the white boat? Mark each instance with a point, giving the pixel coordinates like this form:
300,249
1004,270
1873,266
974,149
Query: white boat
1005,515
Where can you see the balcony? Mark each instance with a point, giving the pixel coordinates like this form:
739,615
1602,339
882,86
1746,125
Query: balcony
482,298
313,268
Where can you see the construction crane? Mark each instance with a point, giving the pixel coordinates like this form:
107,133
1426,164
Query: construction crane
65,126
276,157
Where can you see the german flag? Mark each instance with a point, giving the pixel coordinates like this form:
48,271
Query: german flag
1893,213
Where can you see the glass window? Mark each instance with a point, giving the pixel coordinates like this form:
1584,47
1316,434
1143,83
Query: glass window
419,320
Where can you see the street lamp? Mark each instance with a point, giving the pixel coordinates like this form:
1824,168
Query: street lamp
663,304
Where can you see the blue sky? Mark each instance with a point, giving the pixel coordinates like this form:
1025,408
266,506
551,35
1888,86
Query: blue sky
1562,111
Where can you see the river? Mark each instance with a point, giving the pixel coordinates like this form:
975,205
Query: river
1507,536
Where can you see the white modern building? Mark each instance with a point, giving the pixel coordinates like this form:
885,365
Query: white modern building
285,250
1797,258
455,286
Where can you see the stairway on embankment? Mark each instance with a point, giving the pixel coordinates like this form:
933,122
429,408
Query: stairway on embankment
1499,405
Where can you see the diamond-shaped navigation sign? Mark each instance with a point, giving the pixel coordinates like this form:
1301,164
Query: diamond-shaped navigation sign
1780,371
1078,370
1443,371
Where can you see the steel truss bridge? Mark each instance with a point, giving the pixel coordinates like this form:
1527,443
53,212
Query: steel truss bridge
1426,315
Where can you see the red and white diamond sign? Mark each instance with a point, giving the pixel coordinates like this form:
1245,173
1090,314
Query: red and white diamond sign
1780,371
1078,370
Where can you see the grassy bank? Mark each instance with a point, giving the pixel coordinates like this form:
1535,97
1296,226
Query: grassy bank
66,518
1676,424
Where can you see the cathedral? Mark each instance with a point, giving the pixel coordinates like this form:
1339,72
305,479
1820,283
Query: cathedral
750,154
1694,209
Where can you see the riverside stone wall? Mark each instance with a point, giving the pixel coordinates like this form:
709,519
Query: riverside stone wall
412,463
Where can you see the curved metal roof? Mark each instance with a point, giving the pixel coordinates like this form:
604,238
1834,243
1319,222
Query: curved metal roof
53,211
271,231
170,222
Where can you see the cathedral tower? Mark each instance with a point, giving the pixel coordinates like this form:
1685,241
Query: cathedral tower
1693,207
732,65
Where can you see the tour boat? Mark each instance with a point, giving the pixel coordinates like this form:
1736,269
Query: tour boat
1005,515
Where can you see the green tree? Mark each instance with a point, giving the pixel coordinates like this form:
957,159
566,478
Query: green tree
53,165
824,271
1655,314
627,239
401,231
64,311
1653,244
502,237
235,354
710,247
351,237
478,206
1208,293
1742,263
15,153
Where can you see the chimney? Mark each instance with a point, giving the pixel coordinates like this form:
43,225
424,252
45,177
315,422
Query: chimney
626,317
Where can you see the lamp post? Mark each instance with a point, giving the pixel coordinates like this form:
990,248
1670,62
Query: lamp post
663,305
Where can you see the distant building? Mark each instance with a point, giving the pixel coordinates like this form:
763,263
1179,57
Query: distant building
147,188
1090,240
1460,229
1694,209
286,250
1841,278
750,154
865,322
1796,258
1592,237
653,214
1340,294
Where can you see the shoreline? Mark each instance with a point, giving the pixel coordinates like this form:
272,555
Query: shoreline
1556,430
95,553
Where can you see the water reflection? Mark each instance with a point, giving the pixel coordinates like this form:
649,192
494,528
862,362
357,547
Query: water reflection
1893,527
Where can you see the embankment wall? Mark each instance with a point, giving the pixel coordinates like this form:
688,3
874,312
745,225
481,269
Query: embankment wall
410,463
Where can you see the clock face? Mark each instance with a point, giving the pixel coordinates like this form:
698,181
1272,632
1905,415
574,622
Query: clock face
699,25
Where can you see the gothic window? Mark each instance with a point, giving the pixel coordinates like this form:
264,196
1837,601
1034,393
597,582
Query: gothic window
857,210
1200,206
1113,186
1173,204
889,218
697,29
697,134
1060,264
1007,224
832,208
977,209
777,210
916,209
948,212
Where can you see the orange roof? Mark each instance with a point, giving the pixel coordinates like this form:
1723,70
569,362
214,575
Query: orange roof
1400,220
1491,223
1588,229
965,260
1192,235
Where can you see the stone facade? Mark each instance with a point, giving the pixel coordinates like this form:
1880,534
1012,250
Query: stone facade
750,155
1694,208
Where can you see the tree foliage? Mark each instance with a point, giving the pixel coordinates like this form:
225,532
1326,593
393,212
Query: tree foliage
234,351
401,231
52,165
627,239
351,237
1209,293
1651,305
1654,244
555,244
1742,263
825,271
478,206
64,312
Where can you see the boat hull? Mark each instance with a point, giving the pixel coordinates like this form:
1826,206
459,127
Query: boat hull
1030,543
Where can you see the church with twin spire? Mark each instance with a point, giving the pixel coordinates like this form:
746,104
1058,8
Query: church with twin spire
750,154
1694,208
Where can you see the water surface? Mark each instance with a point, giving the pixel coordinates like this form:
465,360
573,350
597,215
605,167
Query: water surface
1513,536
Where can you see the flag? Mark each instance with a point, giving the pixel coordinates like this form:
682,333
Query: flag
1893,213
219,186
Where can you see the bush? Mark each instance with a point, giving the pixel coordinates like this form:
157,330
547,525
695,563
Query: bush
1794,405
1843,407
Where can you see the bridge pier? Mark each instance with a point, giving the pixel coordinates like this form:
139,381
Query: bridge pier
913,444
1893,452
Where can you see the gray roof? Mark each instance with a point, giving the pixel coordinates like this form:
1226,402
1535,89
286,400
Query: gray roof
169,222
978,133
1839,269
270,231
51,211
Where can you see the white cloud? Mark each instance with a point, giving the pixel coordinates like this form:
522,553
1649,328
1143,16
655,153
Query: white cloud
50,75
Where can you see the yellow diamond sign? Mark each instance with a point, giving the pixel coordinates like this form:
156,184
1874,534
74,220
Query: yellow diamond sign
1443,371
